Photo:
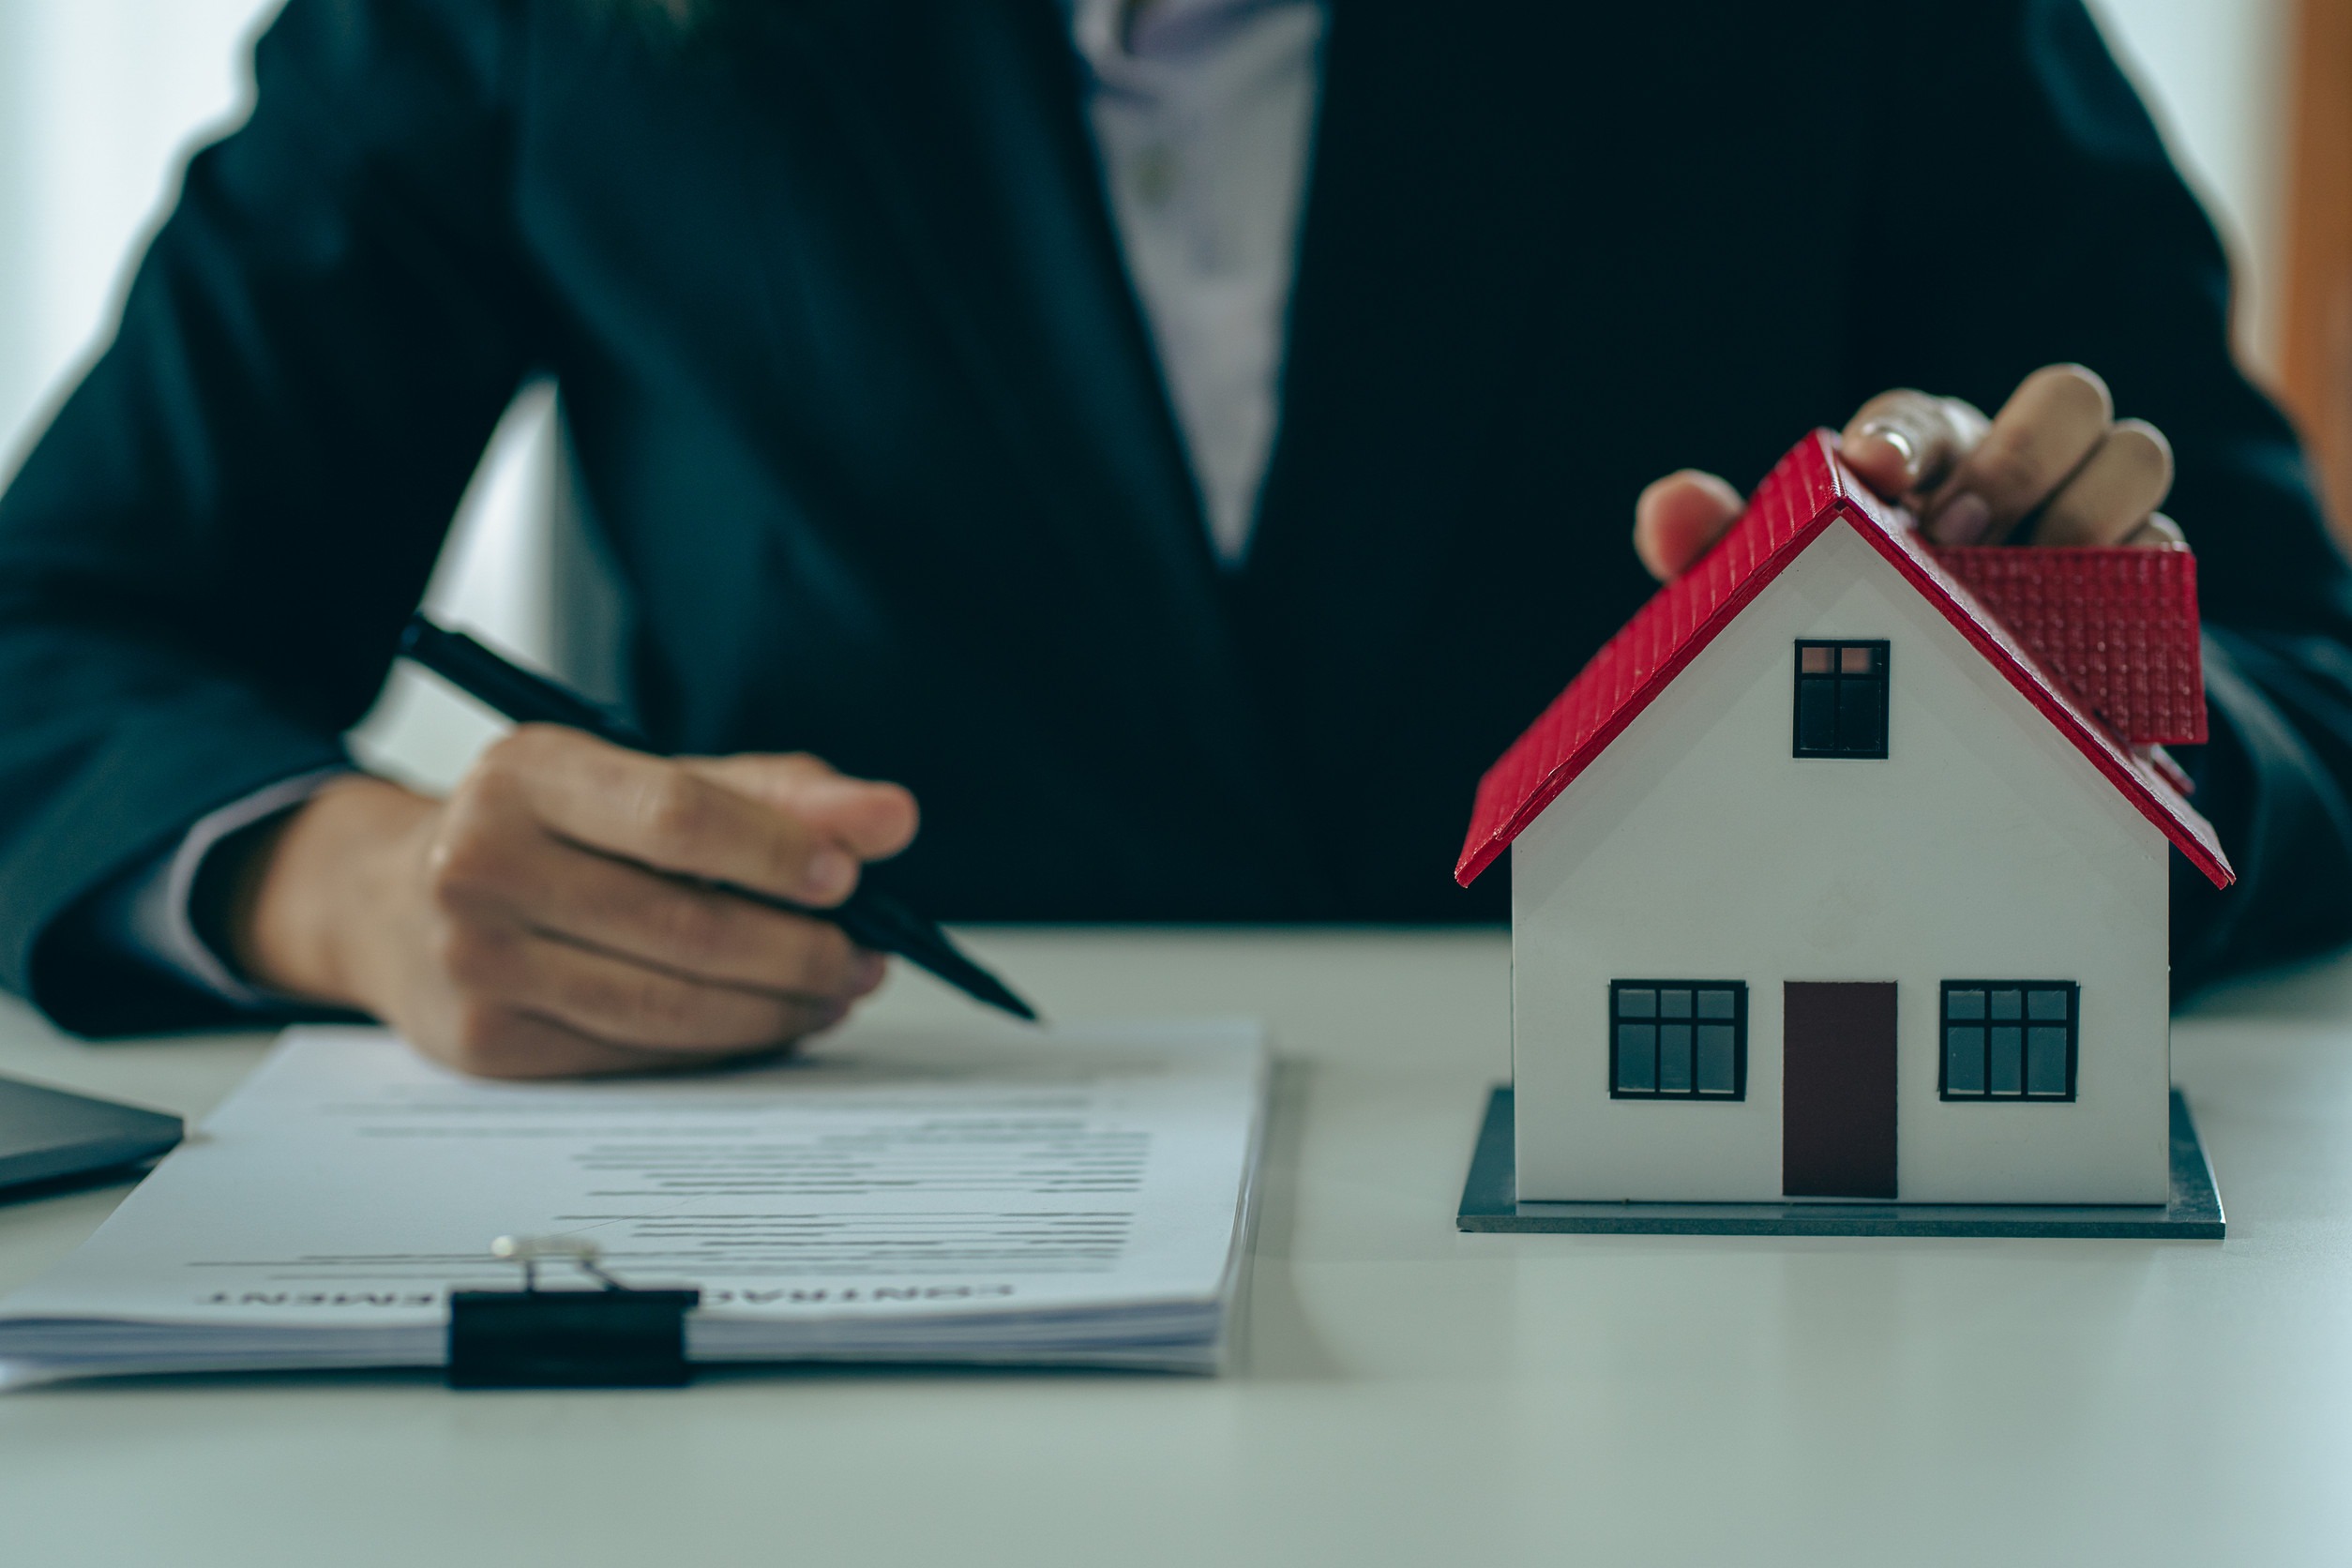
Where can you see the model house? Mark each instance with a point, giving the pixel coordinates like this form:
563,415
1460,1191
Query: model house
1841,871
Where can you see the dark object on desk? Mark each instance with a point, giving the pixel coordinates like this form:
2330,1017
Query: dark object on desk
47,1134
608,1337
614,1338
871,919
1490,1202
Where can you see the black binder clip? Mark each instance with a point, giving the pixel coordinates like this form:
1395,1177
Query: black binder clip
608,1337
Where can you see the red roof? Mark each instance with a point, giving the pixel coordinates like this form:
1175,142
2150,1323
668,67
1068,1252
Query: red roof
1809,490
2118,627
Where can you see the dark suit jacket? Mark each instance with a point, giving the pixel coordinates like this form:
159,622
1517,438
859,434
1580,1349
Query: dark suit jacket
868,411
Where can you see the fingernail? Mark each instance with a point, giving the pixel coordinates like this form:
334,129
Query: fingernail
1963,521
829,875
865,972
1880,431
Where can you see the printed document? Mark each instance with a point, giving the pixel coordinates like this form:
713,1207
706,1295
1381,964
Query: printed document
1073,1196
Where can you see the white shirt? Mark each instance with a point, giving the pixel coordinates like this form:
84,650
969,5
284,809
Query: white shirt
1203,111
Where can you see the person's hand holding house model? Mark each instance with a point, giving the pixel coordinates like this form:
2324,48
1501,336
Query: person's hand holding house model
2055,455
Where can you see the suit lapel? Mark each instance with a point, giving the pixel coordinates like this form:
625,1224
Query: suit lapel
1428,233
1421,259
967,122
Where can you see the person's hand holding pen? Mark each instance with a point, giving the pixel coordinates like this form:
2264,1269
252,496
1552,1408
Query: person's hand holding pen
554,917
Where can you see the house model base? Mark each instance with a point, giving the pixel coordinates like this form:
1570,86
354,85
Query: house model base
1840,875
1490,1203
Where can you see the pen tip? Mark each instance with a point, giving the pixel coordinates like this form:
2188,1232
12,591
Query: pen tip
1005,996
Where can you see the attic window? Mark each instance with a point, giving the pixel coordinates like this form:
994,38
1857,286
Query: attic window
2010,1039
1678,1040
1841,699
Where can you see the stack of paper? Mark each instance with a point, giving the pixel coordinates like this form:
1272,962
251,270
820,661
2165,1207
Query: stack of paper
1080,1195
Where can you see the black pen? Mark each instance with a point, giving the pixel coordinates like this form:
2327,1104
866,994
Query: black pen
870,919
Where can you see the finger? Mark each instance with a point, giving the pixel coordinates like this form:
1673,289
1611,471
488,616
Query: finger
533,881
495,1041
2112,494
1678,517
2050,424
873,818
661,814
2159,530
626,1003
1904,442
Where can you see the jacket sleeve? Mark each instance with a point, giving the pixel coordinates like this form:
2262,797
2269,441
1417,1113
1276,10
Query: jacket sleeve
2025,213
206,561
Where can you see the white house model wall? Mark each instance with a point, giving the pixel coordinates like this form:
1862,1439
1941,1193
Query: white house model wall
1985,845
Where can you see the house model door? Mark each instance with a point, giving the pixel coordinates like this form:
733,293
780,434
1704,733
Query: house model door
1837,1090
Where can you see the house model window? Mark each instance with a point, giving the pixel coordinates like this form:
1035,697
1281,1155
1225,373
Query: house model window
2010,1039
1678,1039
1841,699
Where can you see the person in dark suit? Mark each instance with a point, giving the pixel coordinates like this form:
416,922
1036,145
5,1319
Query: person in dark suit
1180,443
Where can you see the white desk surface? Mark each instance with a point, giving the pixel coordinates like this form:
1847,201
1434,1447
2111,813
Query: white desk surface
1408,1394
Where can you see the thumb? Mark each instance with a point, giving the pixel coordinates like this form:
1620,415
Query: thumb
1678,517
871,818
